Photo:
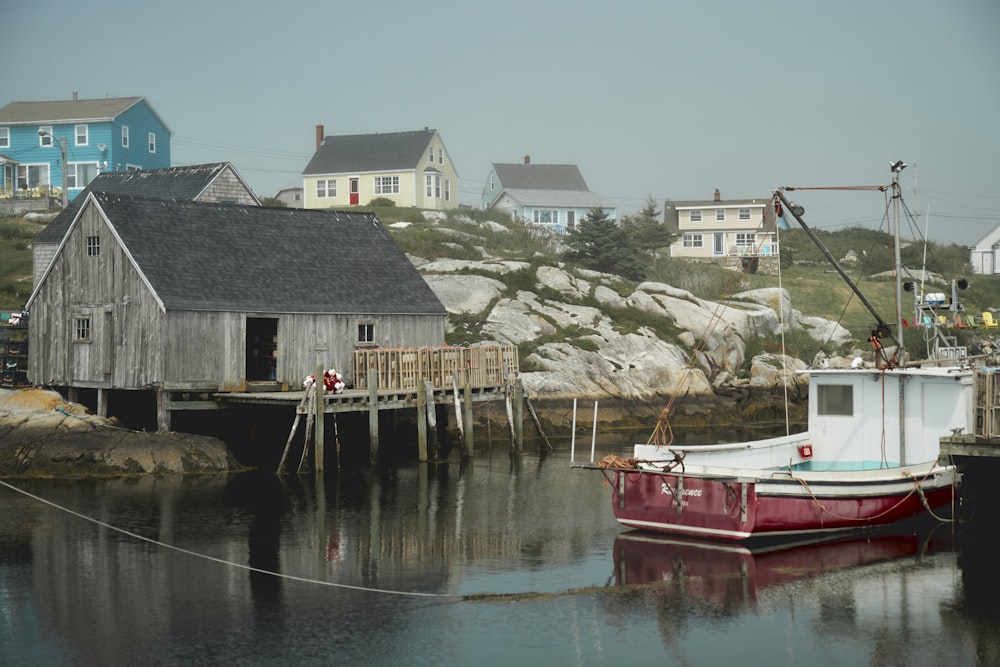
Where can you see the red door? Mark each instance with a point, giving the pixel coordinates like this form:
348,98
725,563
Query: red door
354,192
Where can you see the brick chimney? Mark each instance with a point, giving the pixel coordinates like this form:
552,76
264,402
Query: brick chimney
527,159
718,195
319,135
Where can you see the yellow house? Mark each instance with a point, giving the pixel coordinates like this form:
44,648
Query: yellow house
717,228
410,168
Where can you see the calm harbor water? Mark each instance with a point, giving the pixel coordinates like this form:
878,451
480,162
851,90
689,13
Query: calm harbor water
492,562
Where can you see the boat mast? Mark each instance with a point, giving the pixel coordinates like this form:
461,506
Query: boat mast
897,167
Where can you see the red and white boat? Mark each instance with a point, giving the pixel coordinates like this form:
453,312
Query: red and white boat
869,457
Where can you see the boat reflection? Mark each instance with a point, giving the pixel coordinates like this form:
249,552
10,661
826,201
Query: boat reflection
734,574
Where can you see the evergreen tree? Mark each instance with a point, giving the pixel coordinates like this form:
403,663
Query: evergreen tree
599,244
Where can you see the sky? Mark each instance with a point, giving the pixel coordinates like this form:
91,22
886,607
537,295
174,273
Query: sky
649,98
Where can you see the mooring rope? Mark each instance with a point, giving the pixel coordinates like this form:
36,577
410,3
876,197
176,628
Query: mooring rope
249,568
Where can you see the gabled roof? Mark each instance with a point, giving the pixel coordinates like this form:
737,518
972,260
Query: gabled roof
556,198
180,183
69,111
358,153
226,257
539,177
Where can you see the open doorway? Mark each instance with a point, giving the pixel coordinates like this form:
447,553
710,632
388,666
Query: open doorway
262,349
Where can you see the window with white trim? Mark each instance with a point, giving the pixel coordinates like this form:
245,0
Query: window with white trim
366,332
32,175
744,240
45,135
440,156
124,136
80,174
326,188
432,154
432,183
4,137
546,217
387,185
447,189
695,215
744,214
82,133
692,241
152,142
720,215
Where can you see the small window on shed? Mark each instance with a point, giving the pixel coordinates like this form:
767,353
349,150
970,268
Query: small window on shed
366,332
93,246
835,399
81,330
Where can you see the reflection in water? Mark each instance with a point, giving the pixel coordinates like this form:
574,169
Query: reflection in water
74,592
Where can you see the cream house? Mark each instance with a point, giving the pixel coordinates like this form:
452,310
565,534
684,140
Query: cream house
717,228
410,168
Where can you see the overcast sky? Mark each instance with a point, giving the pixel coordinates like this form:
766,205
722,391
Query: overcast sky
647,97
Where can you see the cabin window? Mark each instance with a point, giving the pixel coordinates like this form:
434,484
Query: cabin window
387,185
835,399
695,216
720,214
692,241
82,135
81,330
152,142
366,332
744,214
326,188
124,136
93,246
4,137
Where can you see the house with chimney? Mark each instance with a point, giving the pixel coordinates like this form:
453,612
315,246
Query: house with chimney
554,196
409,168
720,230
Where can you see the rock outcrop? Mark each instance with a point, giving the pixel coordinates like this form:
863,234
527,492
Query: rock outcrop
43,435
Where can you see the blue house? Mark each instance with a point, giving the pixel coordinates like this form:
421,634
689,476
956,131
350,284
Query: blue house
40,141
552,196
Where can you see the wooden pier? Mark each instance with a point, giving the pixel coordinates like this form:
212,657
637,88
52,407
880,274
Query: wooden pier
393,379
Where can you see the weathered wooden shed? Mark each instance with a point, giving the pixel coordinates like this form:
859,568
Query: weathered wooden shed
166,296
214,182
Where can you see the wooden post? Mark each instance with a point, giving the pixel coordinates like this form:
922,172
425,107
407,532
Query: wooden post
320,418
373,415
431,418
303,406
162,414
421,422
458,406
519,412
468,416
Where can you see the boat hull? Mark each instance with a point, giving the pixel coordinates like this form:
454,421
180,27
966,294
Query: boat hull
741,506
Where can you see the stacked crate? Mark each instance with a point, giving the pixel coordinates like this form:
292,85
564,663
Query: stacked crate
987,402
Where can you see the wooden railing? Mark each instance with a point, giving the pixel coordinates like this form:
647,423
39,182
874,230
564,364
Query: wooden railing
402,368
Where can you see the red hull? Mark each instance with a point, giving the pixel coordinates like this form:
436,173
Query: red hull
738,508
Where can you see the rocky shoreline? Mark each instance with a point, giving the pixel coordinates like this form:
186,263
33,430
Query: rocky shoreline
41,435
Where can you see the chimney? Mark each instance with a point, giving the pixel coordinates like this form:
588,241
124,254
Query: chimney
319,135
527,159
718,195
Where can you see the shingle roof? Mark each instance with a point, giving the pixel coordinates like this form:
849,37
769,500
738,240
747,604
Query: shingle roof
181,183
539,176
370,152
66,111
246,258
568,198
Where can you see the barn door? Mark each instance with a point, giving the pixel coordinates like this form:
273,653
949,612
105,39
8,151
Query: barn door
90,355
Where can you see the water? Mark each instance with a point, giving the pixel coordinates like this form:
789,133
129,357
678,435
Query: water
491,563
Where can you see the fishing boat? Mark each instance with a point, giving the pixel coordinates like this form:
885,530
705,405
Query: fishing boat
868,457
